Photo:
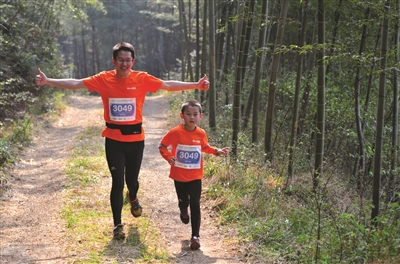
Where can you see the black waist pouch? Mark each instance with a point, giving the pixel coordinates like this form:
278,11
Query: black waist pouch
127,129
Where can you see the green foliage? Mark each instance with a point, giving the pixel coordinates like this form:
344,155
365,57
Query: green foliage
278,224
21,134
27,38
53,102
4,150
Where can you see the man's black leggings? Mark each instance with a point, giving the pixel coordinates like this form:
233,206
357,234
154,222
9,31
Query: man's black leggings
189,194
124,160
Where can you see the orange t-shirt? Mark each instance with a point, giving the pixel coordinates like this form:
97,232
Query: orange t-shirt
187,147
123,99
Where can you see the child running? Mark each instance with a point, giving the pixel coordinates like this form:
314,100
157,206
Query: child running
182,147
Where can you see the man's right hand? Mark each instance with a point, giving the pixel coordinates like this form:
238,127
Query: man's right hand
41,78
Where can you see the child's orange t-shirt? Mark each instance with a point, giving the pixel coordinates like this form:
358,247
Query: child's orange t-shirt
187,147
123,99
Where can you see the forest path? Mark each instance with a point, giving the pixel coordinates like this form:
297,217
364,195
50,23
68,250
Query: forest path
31,228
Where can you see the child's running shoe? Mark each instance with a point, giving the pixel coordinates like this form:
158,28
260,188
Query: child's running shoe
119,233
184,216
195,243
136,208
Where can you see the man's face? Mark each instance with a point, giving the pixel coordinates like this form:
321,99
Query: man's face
123,63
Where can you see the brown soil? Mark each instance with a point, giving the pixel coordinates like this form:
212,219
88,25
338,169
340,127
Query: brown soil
31,229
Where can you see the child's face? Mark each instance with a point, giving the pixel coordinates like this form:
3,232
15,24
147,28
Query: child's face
191,116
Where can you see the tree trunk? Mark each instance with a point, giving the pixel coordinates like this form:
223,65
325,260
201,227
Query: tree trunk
238,82
204,48
395,118
226,54
272,81
197,65
305,99
334,34
370,84
211,91
161,50
249,26
84,64
93,51
380,117
183,40
220,38
76,73
248,29
357,106
295,114
319,147
259,65
187,41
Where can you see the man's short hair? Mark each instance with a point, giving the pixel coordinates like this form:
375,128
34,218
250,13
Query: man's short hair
123,46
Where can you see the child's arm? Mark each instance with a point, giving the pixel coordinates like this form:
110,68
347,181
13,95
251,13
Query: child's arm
215,151
166,154
224,151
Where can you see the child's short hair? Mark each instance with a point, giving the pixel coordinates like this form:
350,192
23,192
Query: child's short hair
190,103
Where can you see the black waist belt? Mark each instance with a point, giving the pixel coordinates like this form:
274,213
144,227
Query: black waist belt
127,129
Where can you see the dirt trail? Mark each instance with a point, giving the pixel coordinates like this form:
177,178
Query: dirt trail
31,229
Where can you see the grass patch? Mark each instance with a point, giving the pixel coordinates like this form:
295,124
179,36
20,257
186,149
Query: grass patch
87,212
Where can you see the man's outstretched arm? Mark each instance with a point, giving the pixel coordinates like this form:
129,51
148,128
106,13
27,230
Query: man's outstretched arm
70,84
202,84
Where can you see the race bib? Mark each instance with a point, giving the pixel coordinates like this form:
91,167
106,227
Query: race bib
122,109
189,157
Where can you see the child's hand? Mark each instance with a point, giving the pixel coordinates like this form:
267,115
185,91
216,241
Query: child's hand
172,160
223,151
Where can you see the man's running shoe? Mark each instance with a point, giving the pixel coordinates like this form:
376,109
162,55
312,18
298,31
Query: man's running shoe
136,208
195,243
185,217
119,233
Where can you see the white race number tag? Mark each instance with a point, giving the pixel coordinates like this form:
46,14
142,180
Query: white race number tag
188,156
122,109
